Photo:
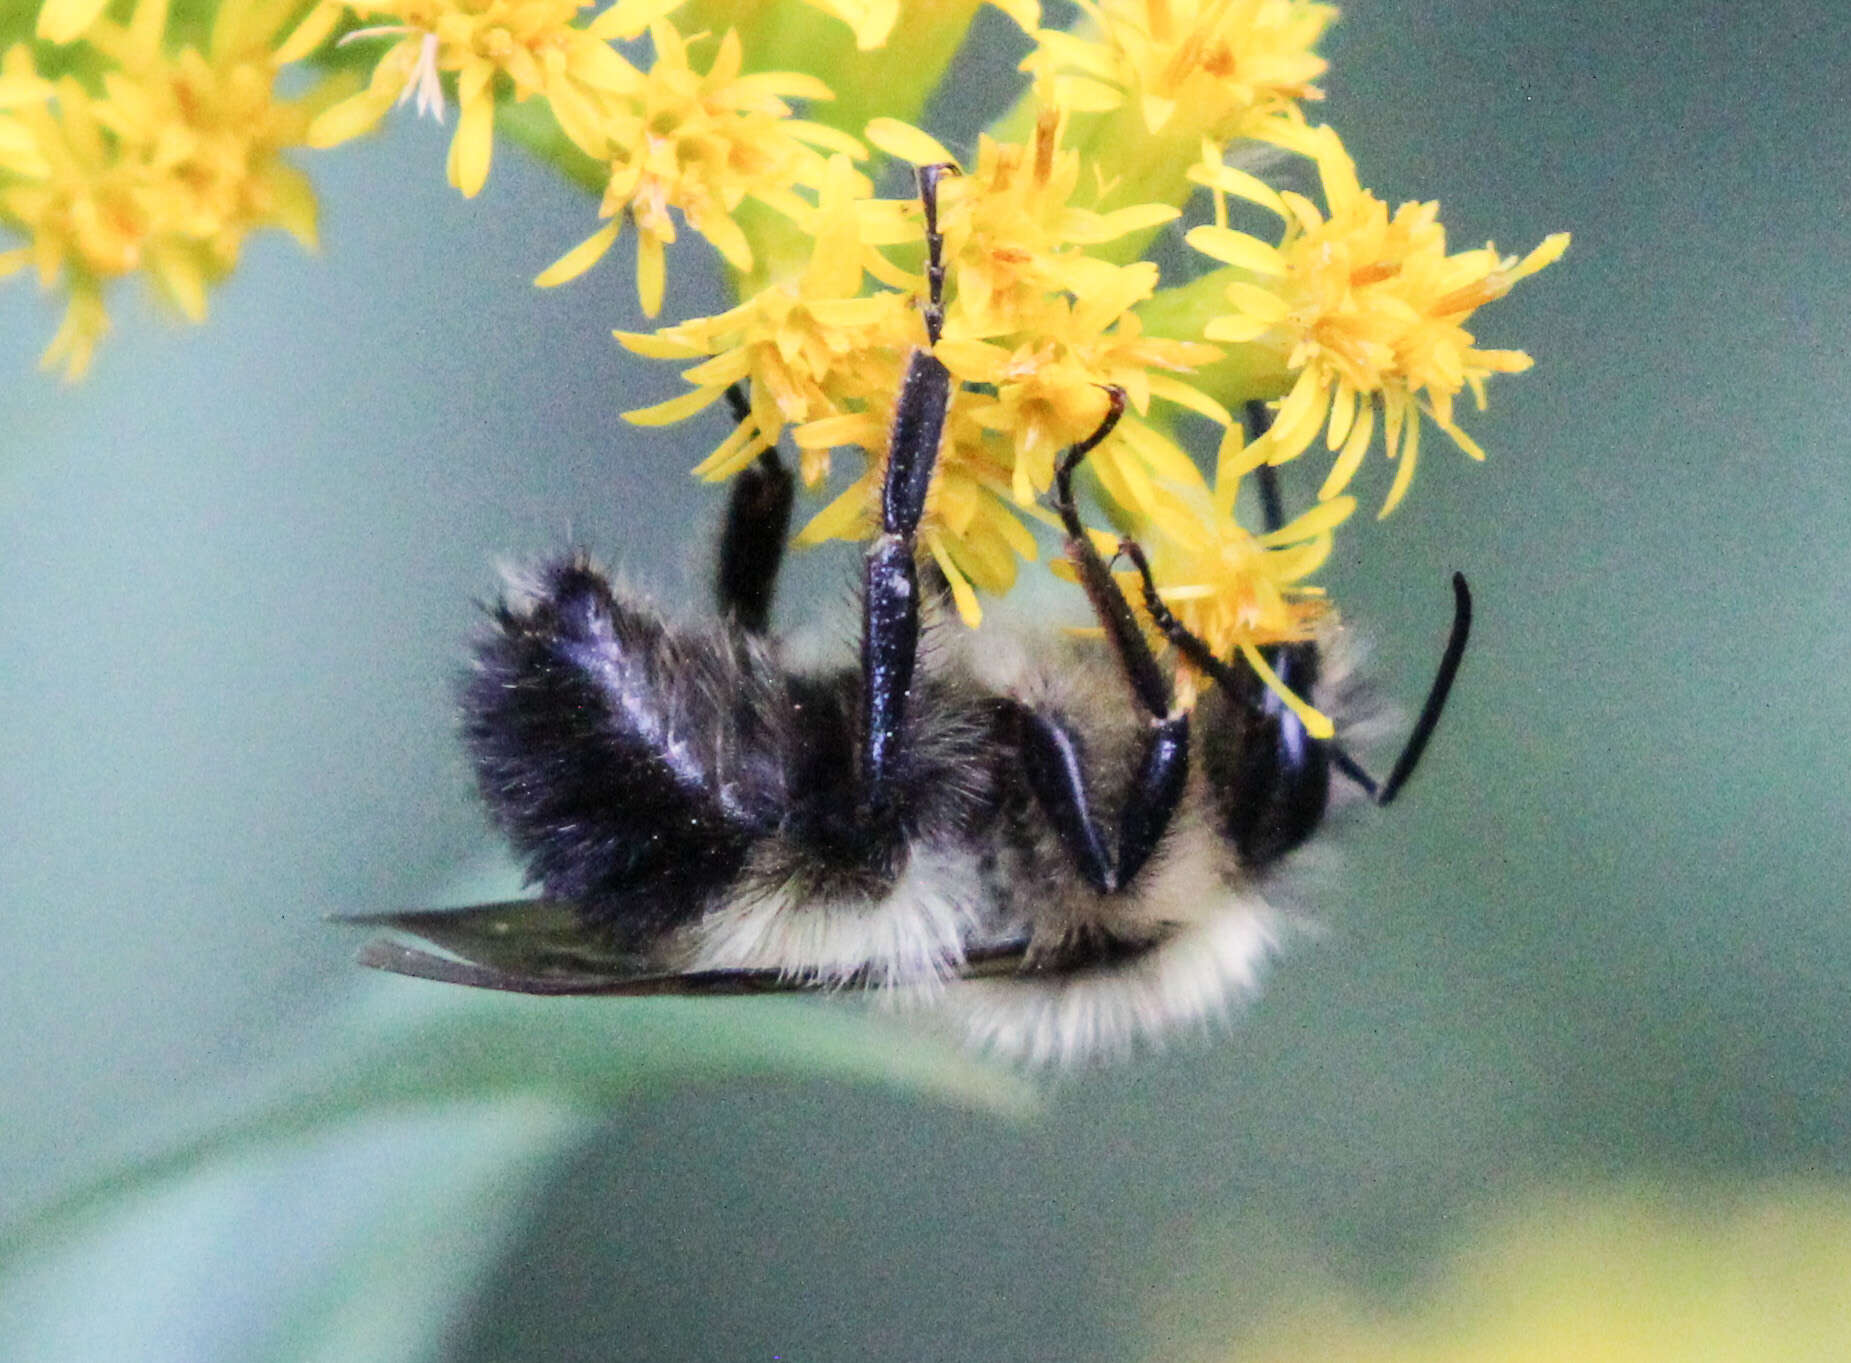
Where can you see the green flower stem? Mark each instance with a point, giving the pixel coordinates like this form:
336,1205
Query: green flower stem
530,123
1247,370
893,81
1132,165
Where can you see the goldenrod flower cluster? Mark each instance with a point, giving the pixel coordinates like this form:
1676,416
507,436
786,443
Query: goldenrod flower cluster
155,152
763,127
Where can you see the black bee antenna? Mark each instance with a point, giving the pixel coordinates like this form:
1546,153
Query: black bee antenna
1429,712
1272,516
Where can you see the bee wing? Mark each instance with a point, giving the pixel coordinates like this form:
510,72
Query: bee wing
540,946
384,954
530,946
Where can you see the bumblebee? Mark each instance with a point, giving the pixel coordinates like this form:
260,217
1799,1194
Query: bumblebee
1029,834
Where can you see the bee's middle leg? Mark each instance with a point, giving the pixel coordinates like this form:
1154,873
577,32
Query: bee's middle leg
1053,758
758,522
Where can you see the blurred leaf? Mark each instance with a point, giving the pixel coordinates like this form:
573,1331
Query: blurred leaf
375,1273
444,1223
419,1045
365,1242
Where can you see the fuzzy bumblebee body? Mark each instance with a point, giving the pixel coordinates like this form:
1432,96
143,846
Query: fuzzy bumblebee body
1031,834
687,803
697,802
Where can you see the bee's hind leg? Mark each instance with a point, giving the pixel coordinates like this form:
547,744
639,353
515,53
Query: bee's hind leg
890,600
758,521
1053,758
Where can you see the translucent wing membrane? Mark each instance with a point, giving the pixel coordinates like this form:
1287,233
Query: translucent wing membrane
542,946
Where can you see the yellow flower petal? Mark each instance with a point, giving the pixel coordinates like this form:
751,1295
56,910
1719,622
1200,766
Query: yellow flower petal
1236,248
1549,251
1404,476
733,454
310,34
1320,520
353,116
630,18
961,593
1316,723
841,519
651,272
904,142
1350,457
1230,180
63,21
1236,329
20,152
580,259
678,408
657,345
1460,438
474,143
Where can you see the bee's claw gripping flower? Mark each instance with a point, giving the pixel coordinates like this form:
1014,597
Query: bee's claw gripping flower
1037,325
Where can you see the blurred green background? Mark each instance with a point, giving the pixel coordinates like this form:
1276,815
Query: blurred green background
1603,942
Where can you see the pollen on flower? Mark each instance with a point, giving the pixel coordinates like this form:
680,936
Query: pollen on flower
700,143
164,170
531,44
1186,69
1368,311
1237,591
1036,327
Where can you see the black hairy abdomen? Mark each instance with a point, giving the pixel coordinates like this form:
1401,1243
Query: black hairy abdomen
626,761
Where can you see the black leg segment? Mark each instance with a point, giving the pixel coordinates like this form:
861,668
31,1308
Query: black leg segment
757,527
1054,762
1052,754
890,598
1147,679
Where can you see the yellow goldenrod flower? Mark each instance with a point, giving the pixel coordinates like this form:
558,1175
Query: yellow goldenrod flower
1018,238
1368,310
1223,68
1148,80
166,170
684,114
701,143
533,44
1045,324
845,44
812,347
1034,323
